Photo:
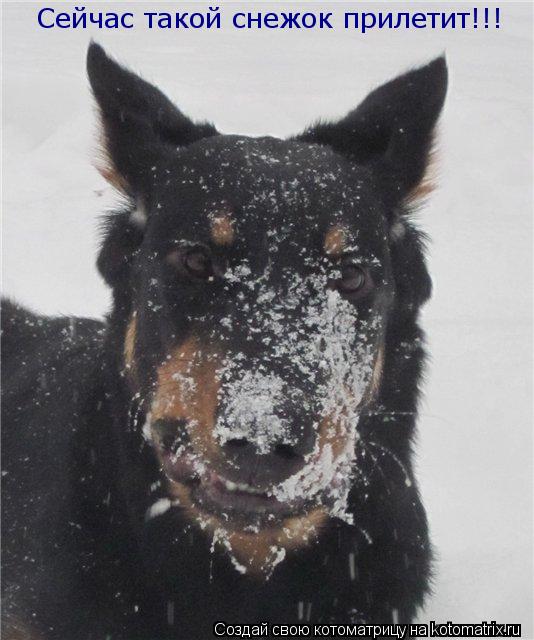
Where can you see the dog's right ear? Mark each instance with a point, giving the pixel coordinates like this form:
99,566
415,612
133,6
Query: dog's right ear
392,132
139,123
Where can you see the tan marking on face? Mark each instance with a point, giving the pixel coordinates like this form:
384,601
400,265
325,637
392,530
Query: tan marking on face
187,388
255,550
335,241
336,433
129,344
222,228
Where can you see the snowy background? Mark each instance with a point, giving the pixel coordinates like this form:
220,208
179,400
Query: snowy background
475,446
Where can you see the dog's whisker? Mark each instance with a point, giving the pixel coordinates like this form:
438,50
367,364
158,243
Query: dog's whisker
376,462
391,413
401,465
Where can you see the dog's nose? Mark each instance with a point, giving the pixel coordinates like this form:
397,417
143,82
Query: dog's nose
261,470
267,465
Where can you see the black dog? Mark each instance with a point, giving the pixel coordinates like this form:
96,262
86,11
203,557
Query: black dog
234,442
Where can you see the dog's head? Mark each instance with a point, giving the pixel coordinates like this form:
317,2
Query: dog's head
257,276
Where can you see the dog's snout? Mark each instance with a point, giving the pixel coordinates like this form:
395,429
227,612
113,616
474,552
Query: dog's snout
281,449
286,451
246,464
264,465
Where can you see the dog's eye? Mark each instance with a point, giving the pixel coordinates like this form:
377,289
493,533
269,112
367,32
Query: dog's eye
355,280
198,263
352,278
193,261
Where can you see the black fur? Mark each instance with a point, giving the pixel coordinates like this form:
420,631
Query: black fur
79,561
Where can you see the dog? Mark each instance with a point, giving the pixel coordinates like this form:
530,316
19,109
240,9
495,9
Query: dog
233,444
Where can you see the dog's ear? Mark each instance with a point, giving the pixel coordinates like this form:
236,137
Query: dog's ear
392,131
139,123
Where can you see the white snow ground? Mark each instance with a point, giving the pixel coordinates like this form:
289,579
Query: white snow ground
475,445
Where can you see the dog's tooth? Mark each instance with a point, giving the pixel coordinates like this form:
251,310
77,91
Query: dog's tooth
239,486
248,489
231,486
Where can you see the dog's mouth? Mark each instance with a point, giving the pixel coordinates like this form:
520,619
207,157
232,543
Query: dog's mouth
217,492
254,516
242,504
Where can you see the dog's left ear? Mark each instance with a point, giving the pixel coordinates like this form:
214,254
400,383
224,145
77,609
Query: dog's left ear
139,123
392,131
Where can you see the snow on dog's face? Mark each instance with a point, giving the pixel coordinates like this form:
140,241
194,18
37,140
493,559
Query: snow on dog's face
257,279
